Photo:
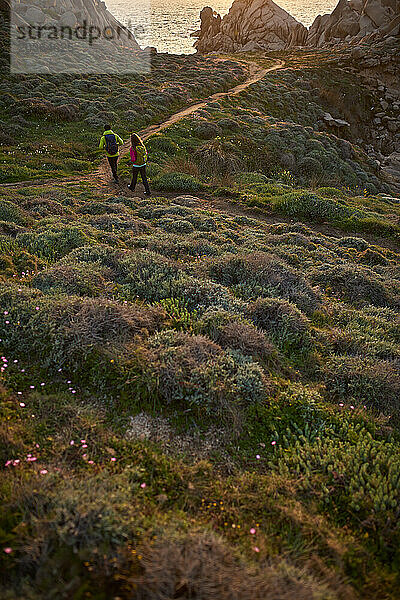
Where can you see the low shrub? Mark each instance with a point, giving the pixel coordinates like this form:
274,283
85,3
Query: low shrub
205,130
77,279
311,206
354,476
263,274
355,284
217,158
201,563
177,182
175,225
176,310
288,327
200,294
11,212
231,330
196,373
375,383
54,241
79,334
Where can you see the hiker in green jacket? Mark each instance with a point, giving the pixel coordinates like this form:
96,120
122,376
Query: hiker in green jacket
138,159
110,142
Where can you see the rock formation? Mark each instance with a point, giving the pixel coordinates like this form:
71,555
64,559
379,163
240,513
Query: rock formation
249,25
356,20
263,25
69,13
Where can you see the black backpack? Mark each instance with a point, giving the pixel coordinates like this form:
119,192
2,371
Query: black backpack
111,143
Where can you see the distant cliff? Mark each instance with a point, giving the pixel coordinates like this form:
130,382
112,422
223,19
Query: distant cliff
263,25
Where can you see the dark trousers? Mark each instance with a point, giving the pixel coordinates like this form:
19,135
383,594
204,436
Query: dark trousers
113,164
135,173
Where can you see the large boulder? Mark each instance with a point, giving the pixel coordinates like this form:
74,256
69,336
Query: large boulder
68,19
249,25
35,16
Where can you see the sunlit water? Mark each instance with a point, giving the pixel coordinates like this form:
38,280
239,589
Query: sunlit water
167,24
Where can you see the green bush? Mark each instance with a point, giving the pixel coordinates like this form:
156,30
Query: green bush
11,212
161,143
284,322
309,166
311,206
182,319
263,274
175,225
80,335
177,182
231,330
375,383
76,279
356,284
331,192
54,241
198,374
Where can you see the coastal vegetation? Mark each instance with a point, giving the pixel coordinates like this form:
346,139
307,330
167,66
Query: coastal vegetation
199,390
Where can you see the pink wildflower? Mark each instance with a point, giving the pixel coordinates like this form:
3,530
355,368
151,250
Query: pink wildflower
252,531
143,485
7,550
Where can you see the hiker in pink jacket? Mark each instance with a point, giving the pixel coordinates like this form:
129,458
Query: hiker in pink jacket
139,159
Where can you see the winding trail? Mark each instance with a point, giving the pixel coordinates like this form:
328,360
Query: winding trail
256,73
102,174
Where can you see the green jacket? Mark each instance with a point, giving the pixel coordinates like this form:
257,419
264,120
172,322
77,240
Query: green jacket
103,142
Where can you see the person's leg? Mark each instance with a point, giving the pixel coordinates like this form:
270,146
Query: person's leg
144,179
134,178
115,172
113,164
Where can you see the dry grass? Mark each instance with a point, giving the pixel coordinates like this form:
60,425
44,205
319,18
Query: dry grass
201,567
180,164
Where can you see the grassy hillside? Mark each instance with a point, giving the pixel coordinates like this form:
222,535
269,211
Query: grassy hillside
50,125
200,391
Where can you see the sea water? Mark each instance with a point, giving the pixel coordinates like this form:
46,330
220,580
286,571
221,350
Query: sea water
167,24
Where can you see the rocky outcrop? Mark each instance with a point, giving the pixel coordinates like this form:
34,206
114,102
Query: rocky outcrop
354,21
263,25
249,25
70,13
